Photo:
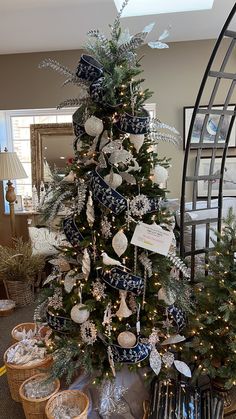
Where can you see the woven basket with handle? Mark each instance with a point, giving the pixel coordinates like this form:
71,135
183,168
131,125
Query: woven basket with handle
17,374
70,398
20,292
19,328
35,408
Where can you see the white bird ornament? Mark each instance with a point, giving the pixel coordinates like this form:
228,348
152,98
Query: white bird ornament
107,260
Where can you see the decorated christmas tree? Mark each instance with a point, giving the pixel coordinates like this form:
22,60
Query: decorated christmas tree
115,295
213,328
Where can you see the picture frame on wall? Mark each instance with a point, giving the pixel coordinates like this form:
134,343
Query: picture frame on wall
229,181
212,125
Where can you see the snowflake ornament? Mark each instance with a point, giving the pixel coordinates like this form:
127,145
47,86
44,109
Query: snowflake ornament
88,332
98,290
56,301
154,338
140,205
106,227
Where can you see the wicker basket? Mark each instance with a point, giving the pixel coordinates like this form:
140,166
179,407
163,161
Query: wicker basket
35,408
20,327
6,307
20,292
70,398
17,374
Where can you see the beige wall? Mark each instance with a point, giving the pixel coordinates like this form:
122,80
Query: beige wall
174,75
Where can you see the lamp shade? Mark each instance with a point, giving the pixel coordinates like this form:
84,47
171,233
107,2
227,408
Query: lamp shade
10,166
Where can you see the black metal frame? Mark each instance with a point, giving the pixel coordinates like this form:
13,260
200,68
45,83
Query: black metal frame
216,149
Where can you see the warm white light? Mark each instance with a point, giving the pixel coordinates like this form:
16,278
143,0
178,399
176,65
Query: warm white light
62,158
155,7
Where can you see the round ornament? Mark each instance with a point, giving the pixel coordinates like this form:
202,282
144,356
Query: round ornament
160,175
93,126
126,339
137,141
168,298
119,243
79,313
114,180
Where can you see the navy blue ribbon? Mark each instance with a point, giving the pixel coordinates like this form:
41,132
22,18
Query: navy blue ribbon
71,231
122,280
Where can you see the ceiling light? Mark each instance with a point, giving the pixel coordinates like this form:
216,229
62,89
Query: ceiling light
155,7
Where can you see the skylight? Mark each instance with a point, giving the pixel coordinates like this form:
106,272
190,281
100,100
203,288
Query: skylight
154,7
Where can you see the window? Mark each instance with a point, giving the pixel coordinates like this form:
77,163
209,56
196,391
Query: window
15,135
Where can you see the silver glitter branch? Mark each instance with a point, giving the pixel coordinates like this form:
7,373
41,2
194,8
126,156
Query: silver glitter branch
56,206
56,66
69,102
179,264
165,137
163,132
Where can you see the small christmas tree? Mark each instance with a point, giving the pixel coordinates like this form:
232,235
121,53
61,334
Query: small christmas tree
115,296
214,327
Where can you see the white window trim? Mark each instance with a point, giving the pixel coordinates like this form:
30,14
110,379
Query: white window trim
6,134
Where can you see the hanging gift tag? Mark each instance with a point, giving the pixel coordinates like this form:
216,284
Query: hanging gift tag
152,237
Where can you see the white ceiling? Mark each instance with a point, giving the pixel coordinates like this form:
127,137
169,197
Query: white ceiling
50,25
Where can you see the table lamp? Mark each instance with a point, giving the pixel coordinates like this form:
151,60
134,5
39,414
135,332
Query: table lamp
11,169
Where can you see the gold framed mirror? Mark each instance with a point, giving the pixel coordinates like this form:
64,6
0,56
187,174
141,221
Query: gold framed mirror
51,146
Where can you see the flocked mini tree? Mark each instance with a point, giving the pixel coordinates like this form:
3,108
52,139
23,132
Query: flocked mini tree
115,296
213,329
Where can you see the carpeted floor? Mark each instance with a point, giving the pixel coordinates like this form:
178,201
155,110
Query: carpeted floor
8,408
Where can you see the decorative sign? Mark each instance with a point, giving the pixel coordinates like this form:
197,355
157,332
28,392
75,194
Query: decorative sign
152,237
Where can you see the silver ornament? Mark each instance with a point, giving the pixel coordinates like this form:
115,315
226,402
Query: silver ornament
171,340
98,290
123,310
114,180
160,175
90,210
120,156
79,313
168,298
120,243
112,146
81,195
69,281
93,126
137,141
183,368
168,358
106,227
126,339
154,337
155,361
86,264
147,263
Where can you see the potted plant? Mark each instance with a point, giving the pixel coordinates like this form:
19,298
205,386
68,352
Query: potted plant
18,270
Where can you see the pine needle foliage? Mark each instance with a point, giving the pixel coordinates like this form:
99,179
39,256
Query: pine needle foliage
214,326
